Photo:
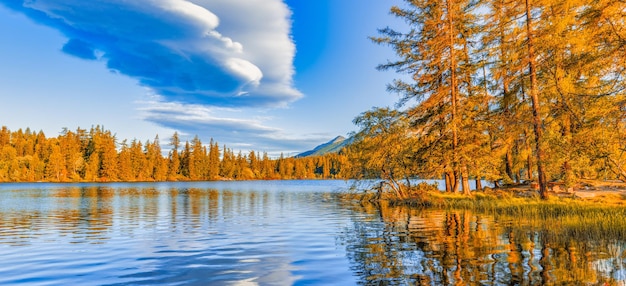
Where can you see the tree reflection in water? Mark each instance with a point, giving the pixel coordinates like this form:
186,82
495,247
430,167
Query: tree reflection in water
439,247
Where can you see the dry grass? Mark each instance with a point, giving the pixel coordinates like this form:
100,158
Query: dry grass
600,217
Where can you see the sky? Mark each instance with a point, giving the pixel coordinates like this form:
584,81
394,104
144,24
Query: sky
266,75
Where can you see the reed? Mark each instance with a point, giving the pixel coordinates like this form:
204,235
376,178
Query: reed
570,217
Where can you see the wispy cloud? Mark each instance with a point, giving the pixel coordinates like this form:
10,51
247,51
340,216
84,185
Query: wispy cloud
203,120
214,53
227,125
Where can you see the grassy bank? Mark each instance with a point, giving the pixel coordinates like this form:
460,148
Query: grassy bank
601,218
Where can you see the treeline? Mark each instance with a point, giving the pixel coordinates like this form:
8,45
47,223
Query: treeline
506,91
95,155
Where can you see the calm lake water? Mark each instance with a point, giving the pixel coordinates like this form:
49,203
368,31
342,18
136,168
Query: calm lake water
272,233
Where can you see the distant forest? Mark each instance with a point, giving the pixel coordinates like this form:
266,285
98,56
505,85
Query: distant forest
95,155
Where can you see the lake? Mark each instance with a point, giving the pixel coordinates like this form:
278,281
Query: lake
273,233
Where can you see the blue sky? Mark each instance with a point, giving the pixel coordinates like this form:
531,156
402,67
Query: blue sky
265,75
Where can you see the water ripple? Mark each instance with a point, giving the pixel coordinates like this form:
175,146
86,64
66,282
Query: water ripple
271,233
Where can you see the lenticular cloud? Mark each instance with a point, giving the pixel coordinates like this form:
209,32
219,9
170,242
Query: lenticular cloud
211,52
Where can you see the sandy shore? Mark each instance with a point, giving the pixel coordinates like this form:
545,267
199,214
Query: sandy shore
596,191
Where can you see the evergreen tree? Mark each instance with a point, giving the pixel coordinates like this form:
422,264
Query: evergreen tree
138,160
196,160
160,163
55,166
213,161
173,169
227,166
185,161
125,165
108,155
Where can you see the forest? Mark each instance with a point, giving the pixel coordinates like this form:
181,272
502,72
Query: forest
504,91
95,155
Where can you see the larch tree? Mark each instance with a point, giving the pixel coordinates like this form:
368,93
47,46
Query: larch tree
536,118
124,163
108,155
213,161
227,165
383,149
173,168
71,148
92,167
150,162
160,163
267,168
55,167
9,166
185,160
604,19
502,57
138,160
435,54
196,160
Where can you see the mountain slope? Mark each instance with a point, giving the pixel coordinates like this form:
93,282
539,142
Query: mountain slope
332,146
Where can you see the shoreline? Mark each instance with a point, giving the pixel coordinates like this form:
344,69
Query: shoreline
586,190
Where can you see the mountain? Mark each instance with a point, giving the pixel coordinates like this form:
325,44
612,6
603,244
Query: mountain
332,146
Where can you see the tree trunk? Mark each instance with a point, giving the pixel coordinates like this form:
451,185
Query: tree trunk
452,181
529,166
453,96
479,184
507,112
534,95
568,174
465,180
455,181
448,179
509,164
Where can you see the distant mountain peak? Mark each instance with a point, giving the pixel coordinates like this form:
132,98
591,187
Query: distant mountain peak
338,139
332,146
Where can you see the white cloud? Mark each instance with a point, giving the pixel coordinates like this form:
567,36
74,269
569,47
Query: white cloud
195,52
264,29
204,60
